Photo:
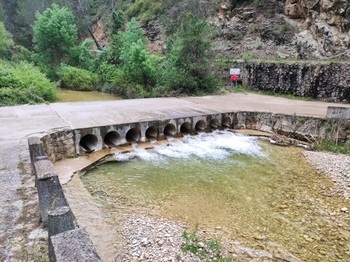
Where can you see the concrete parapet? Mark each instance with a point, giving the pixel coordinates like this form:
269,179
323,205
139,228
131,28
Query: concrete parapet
73,245
36,149
338,112
60,219
66,242
49,189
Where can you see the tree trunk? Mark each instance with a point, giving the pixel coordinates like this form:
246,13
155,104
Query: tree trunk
94,38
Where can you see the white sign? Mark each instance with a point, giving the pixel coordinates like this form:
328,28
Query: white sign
235,71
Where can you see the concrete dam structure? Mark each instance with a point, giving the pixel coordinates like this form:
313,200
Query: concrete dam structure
66,143
59,131
94,139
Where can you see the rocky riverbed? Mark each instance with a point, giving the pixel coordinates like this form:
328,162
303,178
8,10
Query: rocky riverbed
150,239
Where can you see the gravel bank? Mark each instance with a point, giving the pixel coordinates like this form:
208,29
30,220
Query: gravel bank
149,239
336,166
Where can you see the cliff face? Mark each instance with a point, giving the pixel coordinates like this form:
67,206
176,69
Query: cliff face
324,27
307,29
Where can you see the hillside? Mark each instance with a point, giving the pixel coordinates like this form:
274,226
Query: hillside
270,29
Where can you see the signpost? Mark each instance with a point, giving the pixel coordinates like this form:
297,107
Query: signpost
234,75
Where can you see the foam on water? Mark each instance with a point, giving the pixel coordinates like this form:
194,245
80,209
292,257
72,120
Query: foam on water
217,145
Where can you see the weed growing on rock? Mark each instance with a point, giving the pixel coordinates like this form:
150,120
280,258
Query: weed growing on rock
205,249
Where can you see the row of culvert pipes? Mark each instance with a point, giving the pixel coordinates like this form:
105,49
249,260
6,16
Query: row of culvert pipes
96,138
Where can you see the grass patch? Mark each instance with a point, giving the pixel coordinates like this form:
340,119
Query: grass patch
330,145
205,249
21,167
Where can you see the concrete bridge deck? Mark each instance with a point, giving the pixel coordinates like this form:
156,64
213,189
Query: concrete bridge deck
17,123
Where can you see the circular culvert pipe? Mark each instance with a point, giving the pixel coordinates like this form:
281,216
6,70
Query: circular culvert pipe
112,139
214,124
170,130
152,133
89,143
185,128
133,135
226,122
200,126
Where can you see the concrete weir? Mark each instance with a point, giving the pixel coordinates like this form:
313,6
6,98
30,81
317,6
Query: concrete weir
52,146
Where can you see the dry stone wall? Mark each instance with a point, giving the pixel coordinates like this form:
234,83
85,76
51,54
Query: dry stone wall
327,82
59,144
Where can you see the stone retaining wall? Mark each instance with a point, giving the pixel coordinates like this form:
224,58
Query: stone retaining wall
326,82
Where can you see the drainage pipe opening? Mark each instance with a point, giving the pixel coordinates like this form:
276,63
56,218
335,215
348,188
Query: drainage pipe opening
170,130
185,128
226,122
214,124
200,126
112,139
152,133
133,135
89,143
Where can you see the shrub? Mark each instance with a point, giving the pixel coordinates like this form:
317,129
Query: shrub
82,55
77,79
23,83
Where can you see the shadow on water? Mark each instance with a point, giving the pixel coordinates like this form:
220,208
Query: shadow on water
65,95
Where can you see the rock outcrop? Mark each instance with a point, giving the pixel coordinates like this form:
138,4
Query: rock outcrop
304,29
324,27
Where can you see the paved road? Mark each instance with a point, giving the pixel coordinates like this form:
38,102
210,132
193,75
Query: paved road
17,123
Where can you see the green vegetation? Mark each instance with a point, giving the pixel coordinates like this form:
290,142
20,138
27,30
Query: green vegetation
57,45
23,83
5,41
331,145
189,63
205,249
75,78
54,34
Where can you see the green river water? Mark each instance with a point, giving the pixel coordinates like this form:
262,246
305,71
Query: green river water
264,196
65,95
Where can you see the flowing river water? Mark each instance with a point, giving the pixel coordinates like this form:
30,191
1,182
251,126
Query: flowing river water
261,195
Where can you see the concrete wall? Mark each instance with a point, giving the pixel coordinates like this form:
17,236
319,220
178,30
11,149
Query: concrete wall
67,143
327,82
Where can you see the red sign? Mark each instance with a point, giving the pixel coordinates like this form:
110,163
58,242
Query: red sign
234,77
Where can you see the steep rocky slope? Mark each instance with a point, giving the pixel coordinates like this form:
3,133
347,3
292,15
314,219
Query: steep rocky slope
270,29
305,29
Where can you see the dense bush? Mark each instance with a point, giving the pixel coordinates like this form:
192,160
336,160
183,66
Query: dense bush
23,83
77,79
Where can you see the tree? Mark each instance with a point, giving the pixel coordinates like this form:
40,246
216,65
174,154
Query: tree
5,41
137,62
54,34
188,64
